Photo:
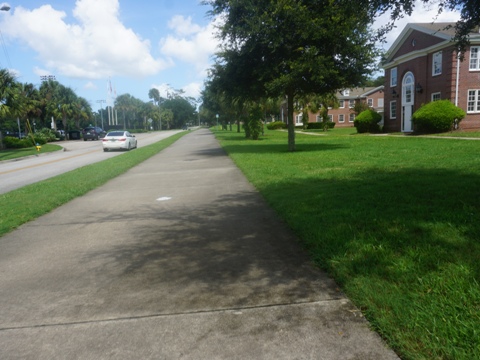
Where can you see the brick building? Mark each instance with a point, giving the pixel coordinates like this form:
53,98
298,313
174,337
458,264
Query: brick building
422,66
343,116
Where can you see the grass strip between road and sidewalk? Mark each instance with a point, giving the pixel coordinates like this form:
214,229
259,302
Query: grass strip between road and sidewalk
27,203
11,154
394,220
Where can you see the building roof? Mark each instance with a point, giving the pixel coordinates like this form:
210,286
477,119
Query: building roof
444,31
358,92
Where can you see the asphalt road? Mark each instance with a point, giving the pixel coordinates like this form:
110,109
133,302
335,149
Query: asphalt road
77,153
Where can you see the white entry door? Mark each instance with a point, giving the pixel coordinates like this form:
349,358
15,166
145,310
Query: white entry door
408,84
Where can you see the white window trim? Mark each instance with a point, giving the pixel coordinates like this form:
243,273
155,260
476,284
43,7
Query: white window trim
392,103
351,118
351,104
439,55
432,98
476,101
393,79
370,102
341,118
476,67
342,104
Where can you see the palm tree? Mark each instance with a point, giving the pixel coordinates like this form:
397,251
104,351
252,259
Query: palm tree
82,112
64,104
8,92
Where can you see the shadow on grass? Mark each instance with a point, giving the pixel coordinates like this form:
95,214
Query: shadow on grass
281,148
405,210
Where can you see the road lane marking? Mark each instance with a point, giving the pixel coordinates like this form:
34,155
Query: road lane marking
46,163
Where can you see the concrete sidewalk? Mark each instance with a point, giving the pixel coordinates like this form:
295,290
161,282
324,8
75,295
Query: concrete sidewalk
180,258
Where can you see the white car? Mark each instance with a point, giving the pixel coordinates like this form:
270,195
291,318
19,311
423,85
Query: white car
119,140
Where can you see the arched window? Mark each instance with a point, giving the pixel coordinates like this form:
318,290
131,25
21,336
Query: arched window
407,87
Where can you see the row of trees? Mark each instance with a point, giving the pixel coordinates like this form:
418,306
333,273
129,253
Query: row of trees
297,50
52,100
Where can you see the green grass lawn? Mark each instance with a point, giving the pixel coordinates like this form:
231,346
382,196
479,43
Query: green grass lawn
44,196
396,222
10,154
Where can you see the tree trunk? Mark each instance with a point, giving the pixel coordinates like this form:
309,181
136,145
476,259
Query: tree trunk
291,122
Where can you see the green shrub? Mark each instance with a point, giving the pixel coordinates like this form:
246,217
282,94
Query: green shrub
437,116
320,125
276,125
47,134
11,142
367,121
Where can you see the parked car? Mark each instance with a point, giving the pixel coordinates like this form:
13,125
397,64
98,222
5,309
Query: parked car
119,140
93,133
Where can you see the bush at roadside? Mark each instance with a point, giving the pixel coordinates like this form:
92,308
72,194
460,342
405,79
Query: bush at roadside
11,142
367,122
321,125
437,116
276,125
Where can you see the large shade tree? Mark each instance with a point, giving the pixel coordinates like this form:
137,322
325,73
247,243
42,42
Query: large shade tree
291,47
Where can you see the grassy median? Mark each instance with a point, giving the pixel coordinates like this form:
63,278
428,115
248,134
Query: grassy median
29,202
396,222
10,154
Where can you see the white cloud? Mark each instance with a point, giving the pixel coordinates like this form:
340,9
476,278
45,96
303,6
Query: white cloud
193,89
97,46
183,26
191,43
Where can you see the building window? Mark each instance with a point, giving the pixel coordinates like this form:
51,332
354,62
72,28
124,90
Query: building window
330,118
341,118
351,103
298,119
475,58
473,104
436,96
351,118
342,104
380,103
437,63
393,109
393,77
346,92
370,102
318,118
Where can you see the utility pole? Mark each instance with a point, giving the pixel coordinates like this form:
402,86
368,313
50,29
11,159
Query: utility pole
101,113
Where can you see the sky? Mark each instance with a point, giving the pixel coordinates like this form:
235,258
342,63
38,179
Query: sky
103,48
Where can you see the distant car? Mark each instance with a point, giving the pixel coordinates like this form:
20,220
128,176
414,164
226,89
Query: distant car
92,133
119,140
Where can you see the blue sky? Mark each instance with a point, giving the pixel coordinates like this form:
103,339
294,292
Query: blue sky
134,45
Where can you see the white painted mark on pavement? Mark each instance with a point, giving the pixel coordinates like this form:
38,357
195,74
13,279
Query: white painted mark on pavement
164,198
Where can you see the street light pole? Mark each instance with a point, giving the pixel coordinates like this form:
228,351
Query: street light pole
101,113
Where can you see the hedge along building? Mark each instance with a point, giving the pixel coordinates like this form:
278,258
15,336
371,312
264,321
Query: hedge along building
422,66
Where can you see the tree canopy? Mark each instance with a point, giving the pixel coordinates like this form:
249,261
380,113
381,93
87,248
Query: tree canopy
291,47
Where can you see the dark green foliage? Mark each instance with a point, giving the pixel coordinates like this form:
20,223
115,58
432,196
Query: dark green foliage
276,125
321,125
254,126
367,122
11,142
437,116
289,48
46,135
